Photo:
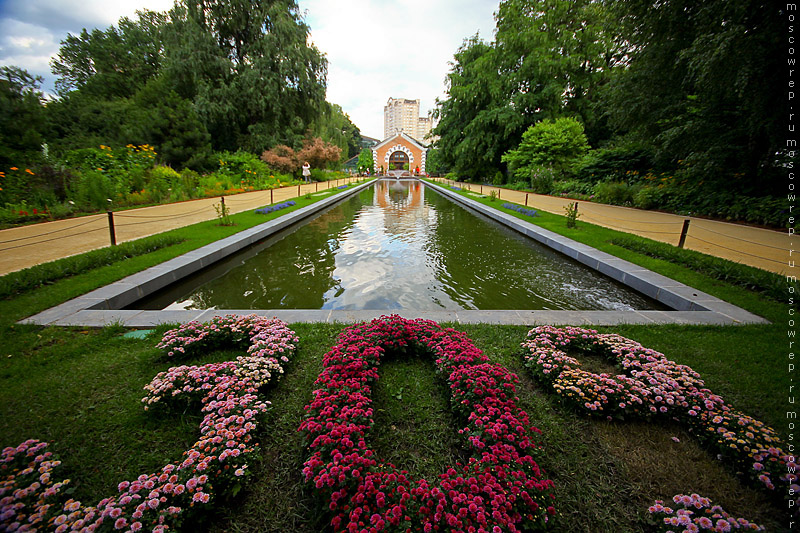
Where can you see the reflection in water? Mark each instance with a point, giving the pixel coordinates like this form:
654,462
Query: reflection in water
398,246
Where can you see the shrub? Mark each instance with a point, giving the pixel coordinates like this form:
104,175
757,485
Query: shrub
649,197
164,184
622,163
572,188
555,144
94,189
614,192
542,179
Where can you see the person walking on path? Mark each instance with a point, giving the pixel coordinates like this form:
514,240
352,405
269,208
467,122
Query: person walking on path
306,172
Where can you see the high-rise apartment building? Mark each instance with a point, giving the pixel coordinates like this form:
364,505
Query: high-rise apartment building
400,115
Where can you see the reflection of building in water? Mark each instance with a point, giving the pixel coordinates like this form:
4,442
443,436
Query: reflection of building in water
402,203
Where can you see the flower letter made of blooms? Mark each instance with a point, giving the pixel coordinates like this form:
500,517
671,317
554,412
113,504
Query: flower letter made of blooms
501,488
30,499
650,385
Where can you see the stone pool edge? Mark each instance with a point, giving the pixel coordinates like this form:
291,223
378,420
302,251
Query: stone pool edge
102,306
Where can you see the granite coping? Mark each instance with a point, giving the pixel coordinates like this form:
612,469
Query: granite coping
104,306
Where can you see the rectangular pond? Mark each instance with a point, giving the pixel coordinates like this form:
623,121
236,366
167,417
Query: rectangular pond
398,245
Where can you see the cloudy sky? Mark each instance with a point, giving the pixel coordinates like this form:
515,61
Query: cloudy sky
376,49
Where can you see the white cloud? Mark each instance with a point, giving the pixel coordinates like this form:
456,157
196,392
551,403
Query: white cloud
376,49
379,49
27,46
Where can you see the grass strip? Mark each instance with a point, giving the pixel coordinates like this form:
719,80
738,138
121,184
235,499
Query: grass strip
751,278
20,281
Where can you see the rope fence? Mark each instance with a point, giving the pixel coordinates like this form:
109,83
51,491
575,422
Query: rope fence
111,225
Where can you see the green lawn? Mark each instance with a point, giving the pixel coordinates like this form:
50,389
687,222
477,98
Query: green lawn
81,389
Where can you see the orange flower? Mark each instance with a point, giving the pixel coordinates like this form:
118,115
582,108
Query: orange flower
29,171
14,168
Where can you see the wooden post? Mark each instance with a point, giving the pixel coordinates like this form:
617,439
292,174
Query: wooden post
298,191
684,231
111,231
271,201
526,199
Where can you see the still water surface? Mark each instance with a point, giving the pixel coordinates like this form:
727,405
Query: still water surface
398,245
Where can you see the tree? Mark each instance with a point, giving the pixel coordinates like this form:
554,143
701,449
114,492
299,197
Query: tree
318,153
365,161
554,55
281,158
165,120
433,163
334,126
549,58
470,126
248,67
555,144
702,87
112,63
22,122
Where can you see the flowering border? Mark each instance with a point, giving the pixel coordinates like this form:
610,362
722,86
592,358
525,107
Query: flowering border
501,488
521,210
694,513
29,498
652,385
272,208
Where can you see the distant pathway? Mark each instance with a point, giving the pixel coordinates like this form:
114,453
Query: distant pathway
26,246
758,247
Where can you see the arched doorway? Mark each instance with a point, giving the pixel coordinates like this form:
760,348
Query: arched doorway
398,160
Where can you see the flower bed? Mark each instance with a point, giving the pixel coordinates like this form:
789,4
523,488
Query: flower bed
650,385
521,210
272,208
31,499
694,513
501,488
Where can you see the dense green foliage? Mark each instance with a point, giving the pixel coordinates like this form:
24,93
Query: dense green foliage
550,144
365,163
677,101
193,85
21,116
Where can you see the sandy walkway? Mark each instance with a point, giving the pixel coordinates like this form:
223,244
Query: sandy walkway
26,246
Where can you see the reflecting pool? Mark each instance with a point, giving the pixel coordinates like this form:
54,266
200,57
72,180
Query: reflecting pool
399,245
